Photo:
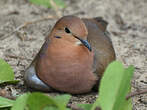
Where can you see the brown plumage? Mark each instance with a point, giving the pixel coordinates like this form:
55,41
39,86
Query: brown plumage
73,57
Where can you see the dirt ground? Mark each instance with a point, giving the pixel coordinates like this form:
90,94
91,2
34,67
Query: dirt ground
127,26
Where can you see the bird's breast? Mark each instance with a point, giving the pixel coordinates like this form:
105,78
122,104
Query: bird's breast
65,67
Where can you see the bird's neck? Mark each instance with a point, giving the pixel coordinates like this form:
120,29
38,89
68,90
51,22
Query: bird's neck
69,51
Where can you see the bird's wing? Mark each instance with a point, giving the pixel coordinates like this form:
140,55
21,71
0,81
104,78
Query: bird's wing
101,44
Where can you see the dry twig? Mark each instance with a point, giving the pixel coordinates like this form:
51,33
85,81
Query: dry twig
56,8
136,93
27,23
18,57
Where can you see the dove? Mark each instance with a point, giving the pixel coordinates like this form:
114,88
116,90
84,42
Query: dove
73,57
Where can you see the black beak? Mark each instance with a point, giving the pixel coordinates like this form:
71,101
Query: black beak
84,42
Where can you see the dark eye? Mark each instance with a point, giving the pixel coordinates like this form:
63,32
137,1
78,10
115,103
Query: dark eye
67,30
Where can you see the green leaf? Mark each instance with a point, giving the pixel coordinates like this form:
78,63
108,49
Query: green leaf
5,108
62,101
50,108
21,102
85,106
127,105
114,87
6,73
47,4
9,81
60,3
4,102
38,101
54,108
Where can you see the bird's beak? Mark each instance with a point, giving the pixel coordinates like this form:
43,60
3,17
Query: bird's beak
84,42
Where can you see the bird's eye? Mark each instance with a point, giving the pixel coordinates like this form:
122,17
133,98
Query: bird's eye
67,30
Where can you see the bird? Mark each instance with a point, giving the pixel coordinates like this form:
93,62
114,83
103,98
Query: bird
73,57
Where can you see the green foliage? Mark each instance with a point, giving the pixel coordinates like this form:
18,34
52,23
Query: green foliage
114,87
62,101
60,3
85,106
20,103
37,101
6,73
47,3
4,102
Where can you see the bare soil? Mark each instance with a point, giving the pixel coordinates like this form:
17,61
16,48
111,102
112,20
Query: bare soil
127,26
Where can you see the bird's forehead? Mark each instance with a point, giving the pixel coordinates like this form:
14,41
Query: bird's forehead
75,24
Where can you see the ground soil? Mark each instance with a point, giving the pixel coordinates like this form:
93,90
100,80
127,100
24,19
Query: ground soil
127,25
